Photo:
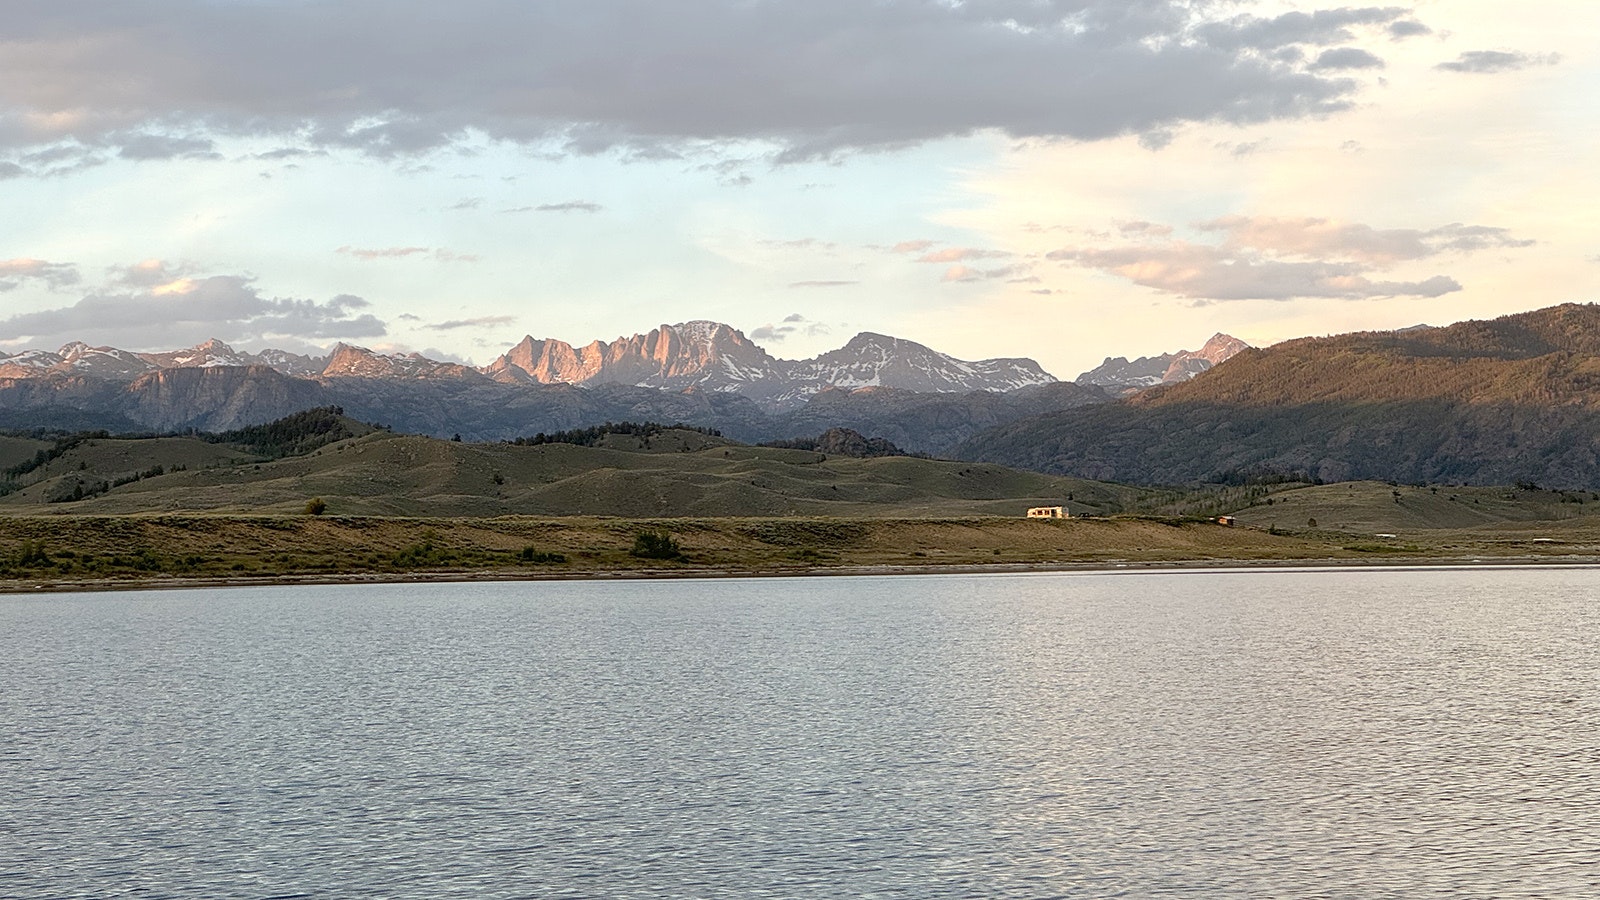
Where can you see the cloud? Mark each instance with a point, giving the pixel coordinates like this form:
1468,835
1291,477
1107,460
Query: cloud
792,324
1211,273
1319,28
1489,62
382,252
480,322
1268,258
161,314
957,254
569,206
1141,227
809,78
1342,58
799,244
1328,238
1406,28
160,146
958,273
820,284
368,254
467,203
916,246
13,272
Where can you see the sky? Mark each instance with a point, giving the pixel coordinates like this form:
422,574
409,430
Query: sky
1063,180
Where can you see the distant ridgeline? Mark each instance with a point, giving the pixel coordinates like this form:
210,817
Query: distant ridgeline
589,437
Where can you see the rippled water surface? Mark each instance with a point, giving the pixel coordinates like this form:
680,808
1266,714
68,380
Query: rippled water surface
1264,734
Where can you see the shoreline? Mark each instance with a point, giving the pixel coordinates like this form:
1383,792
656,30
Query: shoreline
27,587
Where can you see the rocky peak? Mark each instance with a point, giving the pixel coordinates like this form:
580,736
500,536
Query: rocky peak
349,361
1119,374
1221,348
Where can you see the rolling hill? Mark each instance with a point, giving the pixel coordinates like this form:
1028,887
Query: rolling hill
1496,402
676,473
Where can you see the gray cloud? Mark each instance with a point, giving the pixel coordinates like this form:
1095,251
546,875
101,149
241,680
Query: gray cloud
480,322
792,324
160,146
1342,58
397,78
1266,258
13,272
1489,62
1319,28
184,310
1406,28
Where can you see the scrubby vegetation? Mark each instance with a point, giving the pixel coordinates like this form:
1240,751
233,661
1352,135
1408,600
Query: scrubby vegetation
845,442
294,435
589,437
655,545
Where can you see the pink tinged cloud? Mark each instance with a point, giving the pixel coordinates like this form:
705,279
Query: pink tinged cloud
959,254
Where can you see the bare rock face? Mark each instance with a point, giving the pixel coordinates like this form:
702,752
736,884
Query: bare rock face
1120,375
217,398
716,357
700,354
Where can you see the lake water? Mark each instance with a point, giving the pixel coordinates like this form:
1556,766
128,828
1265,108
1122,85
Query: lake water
1259,734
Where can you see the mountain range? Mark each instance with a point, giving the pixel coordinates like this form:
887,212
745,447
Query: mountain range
701,372
704,373
701,355
1513,399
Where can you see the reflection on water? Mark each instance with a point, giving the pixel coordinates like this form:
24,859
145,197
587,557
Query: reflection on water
1226,734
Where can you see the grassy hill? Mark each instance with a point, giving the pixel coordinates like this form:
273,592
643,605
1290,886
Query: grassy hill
14,450
674,473
1376,507
1513,399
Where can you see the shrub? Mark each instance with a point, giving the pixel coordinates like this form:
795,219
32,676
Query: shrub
532,554
316,506
655,545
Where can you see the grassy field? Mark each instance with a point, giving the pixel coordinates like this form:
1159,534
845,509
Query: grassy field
106,511
99,551
677,474
1370,507
88,548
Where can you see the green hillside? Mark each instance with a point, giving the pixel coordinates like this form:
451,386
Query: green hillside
15,450
680,473
1376,507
